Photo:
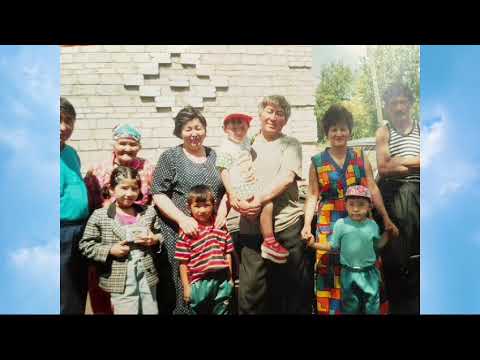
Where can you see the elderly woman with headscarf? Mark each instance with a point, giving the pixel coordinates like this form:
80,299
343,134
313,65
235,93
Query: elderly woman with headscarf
126,145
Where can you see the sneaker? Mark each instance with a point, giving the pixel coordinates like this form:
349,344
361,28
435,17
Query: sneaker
274,248
273,258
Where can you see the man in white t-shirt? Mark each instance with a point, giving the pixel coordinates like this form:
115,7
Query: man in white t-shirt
266,287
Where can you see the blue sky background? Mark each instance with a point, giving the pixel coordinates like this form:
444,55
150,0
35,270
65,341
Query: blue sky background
29,148
450,226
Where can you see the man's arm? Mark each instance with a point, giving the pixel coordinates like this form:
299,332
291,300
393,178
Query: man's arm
278,188
388,166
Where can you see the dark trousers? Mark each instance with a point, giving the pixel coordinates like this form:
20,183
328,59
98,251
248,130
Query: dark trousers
403,288
73,270
269,288
401,261
235,270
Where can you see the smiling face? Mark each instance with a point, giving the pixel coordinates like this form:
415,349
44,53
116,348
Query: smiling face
126,192
125,150
357,208
272,119
236,130
338,135
193,134
67,124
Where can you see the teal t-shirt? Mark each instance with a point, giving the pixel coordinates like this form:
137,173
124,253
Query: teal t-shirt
357,242
73,192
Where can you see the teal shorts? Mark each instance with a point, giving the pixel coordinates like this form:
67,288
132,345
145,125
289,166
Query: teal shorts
360,290
212,294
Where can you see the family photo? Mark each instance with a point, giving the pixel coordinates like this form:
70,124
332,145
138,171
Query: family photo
239,179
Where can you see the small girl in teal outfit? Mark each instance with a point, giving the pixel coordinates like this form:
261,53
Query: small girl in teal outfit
358,239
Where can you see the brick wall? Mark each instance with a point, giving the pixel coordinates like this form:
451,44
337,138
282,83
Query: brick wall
146,85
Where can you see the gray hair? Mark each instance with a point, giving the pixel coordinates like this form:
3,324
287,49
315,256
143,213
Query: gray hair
277,100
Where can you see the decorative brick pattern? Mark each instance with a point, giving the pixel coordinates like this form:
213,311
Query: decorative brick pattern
147,85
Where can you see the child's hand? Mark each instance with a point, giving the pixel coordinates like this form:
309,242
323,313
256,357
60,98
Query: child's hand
120,249
150,240
391,228
311,241
187,293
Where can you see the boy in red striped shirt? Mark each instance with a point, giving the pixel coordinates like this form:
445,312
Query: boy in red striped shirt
205,260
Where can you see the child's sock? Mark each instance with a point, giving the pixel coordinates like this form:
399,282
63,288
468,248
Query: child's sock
269,238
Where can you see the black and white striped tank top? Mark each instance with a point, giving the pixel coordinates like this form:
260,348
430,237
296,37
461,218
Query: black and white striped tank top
405,145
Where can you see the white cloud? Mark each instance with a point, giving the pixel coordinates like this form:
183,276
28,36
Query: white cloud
433,141
447,174
39,263
36,71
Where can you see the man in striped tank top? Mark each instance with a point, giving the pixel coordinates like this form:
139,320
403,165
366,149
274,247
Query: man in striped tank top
398,160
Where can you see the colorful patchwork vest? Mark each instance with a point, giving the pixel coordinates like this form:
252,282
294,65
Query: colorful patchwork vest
333,183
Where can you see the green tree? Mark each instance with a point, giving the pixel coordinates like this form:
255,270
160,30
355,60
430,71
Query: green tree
339,84
392,63
335,87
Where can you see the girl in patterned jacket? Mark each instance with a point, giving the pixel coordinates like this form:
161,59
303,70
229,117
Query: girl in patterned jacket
122,240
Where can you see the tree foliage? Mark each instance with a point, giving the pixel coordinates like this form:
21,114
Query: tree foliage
339,84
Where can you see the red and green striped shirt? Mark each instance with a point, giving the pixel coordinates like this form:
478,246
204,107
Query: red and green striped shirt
204,253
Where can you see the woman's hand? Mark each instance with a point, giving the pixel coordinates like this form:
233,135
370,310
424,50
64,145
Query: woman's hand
311,241
189,225
120,249
390,227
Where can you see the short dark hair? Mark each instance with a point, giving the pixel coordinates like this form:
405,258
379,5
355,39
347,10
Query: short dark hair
124,172
337,114
397,89
200,193
67,109
185,115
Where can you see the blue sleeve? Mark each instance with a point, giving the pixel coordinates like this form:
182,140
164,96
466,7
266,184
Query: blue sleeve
337,234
